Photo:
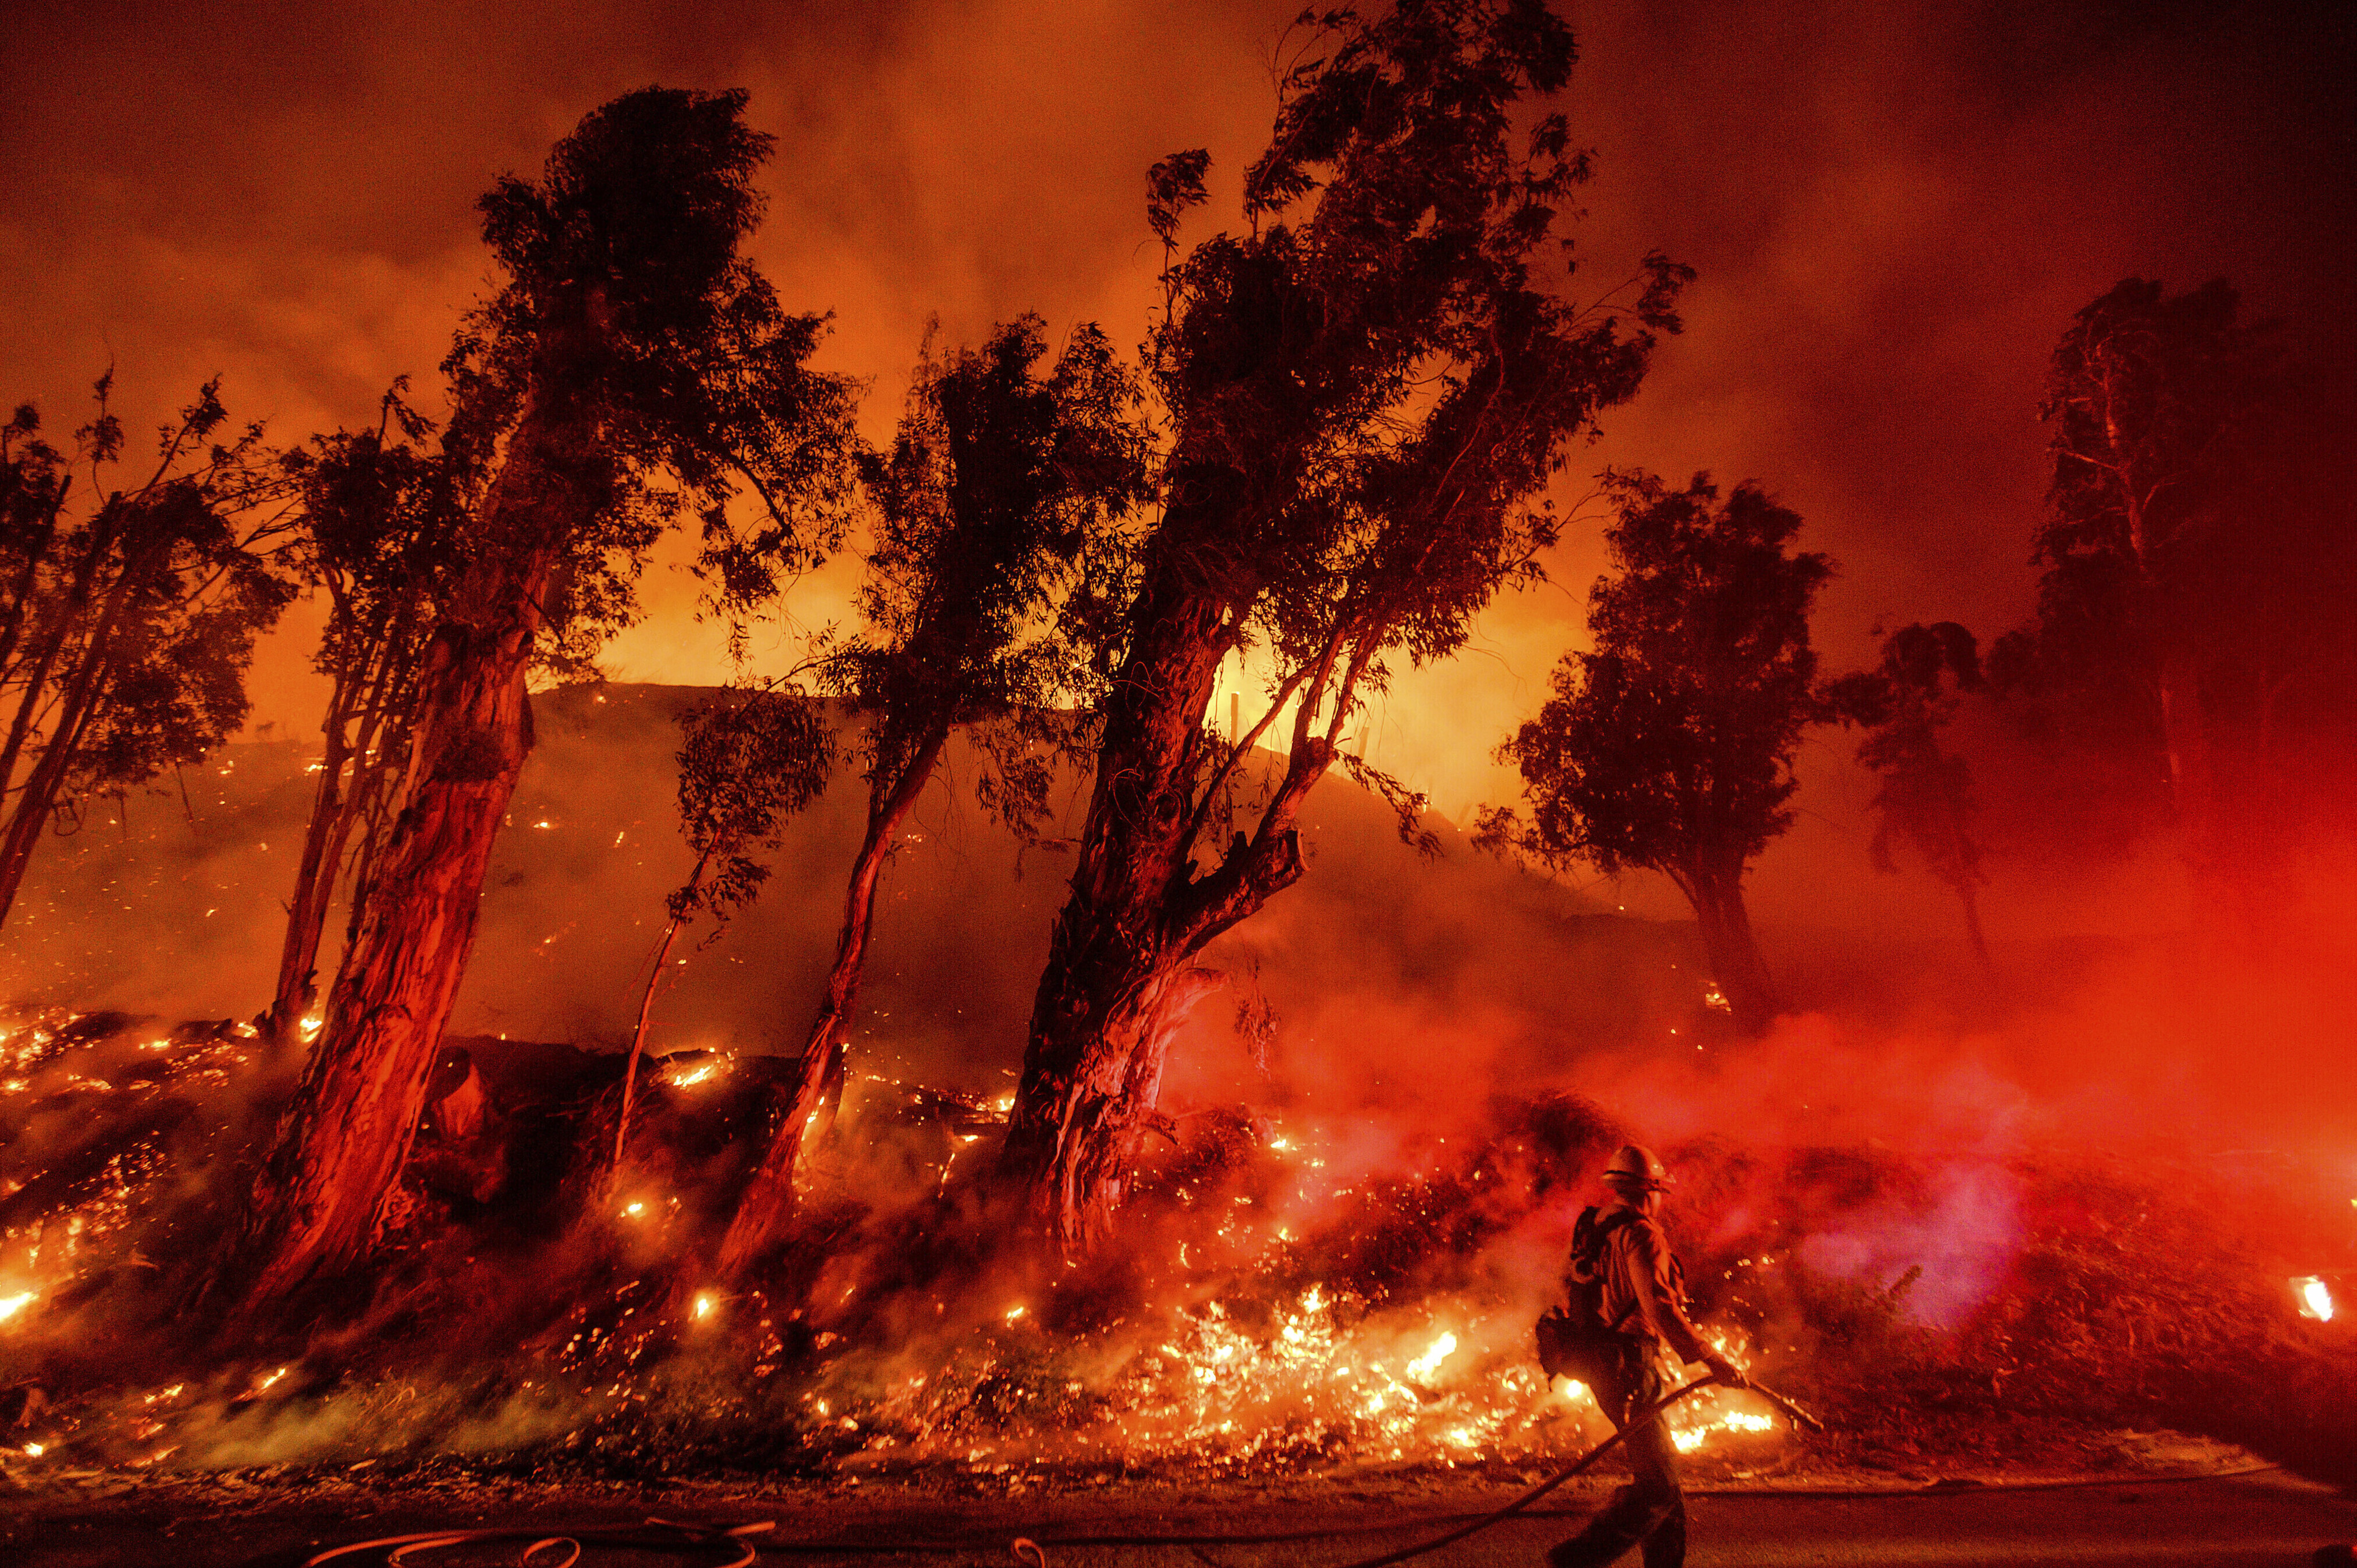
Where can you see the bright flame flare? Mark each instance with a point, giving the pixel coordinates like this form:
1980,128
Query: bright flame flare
10,1305
2314,1299
1424,1366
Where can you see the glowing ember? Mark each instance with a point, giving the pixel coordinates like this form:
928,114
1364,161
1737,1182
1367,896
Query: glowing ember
10,1305
704,1302
1013,1313
34,1450
311,1025
2314,1299
634,1209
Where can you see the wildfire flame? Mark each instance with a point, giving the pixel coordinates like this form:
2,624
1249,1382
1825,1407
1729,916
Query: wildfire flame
1424,1366
10,1305
2314,1299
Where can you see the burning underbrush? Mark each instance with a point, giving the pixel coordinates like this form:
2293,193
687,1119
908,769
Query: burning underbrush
1285,1295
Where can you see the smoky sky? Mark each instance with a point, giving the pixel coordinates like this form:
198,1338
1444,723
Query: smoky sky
1893,211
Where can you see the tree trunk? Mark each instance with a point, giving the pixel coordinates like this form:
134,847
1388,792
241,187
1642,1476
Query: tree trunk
38,796
341,1143
2192,785
1969,896
1119,976
83,691
646,1014
315,883
768,1204
1733,951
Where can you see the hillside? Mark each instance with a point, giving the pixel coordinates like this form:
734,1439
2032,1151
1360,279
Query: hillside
1386,969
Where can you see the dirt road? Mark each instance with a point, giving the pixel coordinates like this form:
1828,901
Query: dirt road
2248,1521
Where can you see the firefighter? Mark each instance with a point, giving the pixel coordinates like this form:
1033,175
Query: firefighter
1625,1262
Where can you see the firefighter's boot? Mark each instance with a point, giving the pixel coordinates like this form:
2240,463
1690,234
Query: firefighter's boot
1632,1516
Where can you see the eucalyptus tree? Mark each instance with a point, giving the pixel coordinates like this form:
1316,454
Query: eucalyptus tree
2152,405
127,615
1002,510
383,537
635,369
1669,745
1924,793
1365,387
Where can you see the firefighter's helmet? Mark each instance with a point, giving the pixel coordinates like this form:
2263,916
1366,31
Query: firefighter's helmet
1634,1165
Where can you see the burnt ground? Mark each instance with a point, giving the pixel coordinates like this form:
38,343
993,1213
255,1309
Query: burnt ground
2162,1501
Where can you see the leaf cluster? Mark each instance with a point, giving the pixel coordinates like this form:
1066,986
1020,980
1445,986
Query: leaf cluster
1000,558
750,759
1669,745
631,317
384,534
1924,796
128,615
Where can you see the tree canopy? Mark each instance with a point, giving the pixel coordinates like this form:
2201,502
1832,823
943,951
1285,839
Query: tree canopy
1669,745
130,614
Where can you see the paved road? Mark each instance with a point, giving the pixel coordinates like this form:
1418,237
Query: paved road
2255,1521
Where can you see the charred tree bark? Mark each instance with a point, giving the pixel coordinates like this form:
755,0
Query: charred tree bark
341,1143
767,1207
1120,976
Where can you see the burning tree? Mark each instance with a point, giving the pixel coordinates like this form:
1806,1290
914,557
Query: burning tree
986,600
1363,389
1670,747
126,627
1926,792
635,367
382,536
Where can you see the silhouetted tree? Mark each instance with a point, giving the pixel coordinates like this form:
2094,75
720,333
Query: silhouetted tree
1670,747
2196,635
999,509
128,624
382,536
1364,388
2147,399
634,368
1925,796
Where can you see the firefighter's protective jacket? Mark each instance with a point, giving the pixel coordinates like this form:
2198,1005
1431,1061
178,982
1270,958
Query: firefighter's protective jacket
1644,1288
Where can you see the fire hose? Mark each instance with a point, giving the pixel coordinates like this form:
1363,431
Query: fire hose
1645,1417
